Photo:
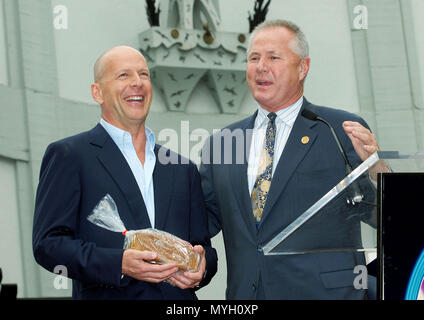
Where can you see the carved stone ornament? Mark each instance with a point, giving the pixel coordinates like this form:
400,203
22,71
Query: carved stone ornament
188,46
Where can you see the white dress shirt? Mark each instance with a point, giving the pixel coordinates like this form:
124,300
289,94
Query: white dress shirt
142,174
284,124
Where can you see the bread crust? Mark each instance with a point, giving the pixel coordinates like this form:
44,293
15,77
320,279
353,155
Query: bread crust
169,248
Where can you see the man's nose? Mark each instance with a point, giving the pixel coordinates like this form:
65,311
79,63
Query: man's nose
137,81
262,65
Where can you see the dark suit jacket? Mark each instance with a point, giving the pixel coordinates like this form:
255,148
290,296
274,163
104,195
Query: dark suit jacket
305,172
76,173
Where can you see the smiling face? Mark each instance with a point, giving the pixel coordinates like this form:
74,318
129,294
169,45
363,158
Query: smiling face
123,87
275,73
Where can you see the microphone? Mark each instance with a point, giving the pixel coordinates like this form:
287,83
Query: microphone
354,193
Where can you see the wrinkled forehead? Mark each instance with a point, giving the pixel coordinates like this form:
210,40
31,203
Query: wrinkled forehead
124,59
115,59
275,37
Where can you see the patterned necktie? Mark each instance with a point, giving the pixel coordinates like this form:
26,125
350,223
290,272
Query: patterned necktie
263,181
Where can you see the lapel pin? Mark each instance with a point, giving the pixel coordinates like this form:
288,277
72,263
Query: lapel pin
305,139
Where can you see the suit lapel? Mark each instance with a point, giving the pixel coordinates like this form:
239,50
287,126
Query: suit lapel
238,175
115,164
293,153
163,185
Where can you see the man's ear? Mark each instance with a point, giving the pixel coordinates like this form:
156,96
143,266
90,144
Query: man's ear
305,63
96,92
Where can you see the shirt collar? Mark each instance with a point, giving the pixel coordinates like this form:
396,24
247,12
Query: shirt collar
286,115
118,135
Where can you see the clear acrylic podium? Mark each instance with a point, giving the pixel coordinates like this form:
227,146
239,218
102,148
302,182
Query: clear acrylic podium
345,217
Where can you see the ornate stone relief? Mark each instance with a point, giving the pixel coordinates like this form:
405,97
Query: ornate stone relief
187,46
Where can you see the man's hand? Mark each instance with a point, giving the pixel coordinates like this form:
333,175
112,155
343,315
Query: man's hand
135,264
363,140
365,144
187,279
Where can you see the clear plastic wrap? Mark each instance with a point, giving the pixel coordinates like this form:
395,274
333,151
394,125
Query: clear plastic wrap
169,248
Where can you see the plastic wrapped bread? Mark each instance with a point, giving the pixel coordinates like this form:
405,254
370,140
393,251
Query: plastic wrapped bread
169,248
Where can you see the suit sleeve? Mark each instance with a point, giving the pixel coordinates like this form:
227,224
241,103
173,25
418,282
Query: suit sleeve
199,227
208,188
367,213
56,223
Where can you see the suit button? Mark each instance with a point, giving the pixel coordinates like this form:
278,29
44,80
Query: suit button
260,249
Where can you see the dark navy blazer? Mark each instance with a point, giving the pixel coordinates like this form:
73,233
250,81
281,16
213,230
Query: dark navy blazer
305,172
76,173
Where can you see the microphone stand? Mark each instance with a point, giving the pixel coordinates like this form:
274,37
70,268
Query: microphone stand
354,193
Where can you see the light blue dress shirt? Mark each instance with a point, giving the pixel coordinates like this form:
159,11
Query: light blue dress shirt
142,174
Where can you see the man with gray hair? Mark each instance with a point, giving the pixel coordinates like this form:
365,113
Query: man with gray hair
300,44
290,162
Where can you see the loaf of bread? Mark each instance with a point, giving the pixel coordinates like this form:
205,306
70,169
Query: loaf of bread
169,248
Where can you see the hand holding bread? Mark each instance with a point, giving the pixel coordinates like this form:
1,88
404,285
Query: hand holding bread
168,248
